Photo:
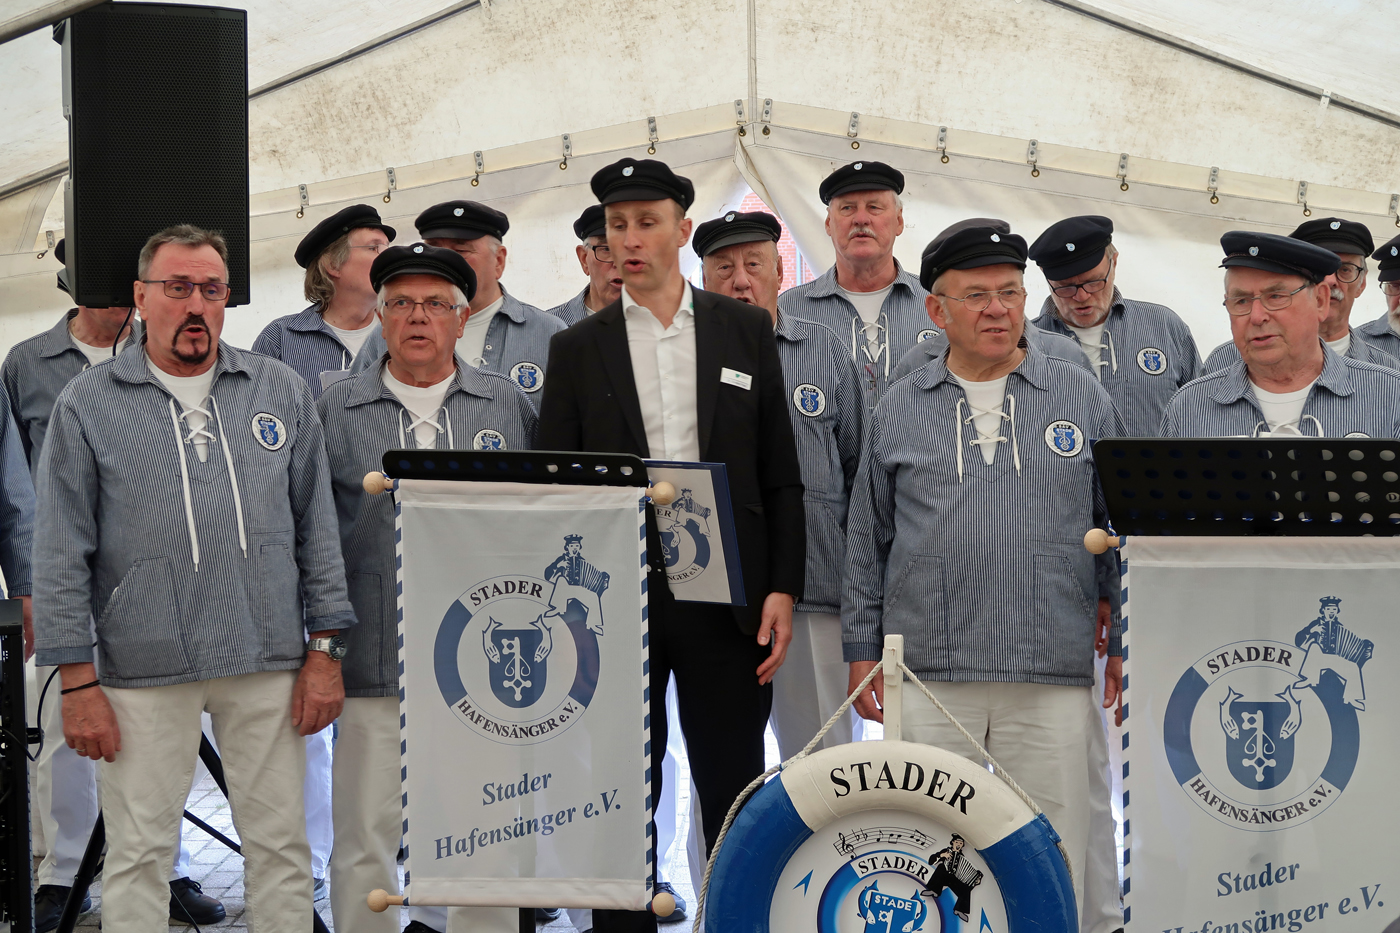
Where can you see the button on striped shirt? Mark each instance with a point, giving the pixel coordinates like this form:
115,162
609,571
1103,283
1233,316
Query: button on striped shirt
826,422
517,345
1149,354
984,574
904,316
306,343
1361,348
362,419
1349,399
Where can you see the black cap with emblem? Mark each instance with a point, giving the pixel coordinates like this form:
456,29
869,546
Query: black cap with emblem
1389,258
1336,234
971,244
336,226
1072,246
59,253
735,227
461,220
641,180
1274,253
591,222
422,259
861,176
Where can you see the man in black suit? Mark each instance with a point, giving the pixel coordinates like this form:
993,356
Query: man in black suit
674,373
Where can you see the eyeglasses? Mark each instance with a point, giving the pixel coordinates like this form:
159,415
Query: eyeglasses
1009,298
1349,272
601,252
375,248
1090,287
183,288
1391,288
1240,305
434,306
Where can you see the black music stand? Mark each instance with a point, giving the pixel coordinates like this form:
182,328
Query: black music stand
1299,486
531,466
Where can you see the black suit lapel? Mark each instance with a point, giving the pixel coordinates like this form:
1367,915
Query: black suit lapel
617,361
710,327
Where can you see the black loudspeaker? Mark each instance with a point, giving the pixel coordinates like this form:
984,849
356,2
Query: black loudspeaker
156,96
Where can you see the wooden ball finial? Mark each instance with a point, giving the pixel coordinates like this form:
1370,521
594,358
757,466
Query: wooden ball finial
376,483
1096,541
380,899
663,904
663,493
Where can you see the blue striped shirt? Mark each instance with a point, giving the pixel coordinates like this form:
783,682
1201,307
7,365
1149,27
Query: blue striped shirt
1051,344
904,316
305,342
16,507
1361,348
573,310
517,345
1349,399
119,528
984,574
1150,355
362,419
1379,334
826,420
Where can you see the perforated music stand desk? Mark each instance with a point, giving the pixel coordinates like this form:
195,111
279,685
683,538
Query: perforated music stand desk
1251,486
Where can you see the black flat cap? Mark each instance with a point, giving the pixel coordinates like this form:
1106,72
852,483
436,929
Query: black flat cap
336,226
1389,257
971,244
861,176
60,253
422,259
1072,246
1274,253
462,220
641,180
1336,234
735,227
591,222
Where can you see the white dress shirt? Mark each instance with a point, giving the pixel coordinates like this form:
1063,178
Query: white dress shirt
664,369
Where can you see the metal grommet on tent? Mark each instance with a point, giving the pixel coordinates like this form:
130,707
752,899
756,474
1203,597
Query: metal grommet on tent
767,131
944,160
1123,186
476,180
855,144
651,150
1214,198
305,200
1035,173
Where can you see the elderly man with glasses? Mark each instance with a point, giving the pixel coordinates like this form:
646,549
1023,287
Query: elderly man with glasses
1352,243
965,536
1141,352
595,258
1384,331
185,503
1288,382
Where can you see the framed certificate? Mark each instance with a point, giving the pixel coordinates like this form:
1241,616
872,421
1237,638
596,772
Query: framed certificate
697,533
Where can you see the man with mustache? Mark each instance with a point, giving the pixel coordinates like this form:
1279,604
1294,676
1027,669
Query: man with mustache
1140,352
1352,243
186,505
1287,382
604,281
872,304
1384,331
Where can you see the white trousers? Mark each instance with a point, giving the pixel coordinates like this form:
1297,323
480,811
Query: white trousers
1101,910
144,792
811,685
320,826
366,801
1042,735
65,792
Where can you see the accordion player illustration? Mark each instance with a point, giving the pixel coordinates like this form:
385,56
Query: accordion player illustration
953,870
1330,645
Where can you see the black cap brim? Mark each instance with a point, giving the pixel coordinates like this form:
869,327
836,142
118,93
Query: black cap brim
453,233
638,193
1350,247
1269,265
1079,266
737,237
860,185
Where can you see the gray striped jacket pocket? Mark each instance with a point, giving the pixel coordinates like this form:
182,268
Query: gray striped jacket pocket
917,608
280,624
1063,620
139,632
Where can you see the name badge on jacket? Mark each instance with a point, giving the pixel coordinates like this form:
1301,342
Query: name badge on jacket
735,378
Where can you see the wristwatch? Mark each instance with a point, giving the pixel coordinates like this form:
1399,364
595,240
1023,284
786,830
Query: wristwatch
334,647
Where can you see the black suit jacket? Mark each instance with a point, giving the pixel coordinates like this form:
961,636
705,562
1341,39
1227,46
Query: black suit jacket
590,405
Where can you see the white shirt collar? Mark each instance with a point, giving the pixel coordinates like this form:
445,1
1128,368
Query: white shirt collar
686,309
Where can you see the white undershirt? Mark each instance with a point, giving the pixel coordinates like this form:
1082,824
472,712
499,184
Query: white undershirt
1341,345
1283,409
471,345
353,339
94,355
868,305
663,368
423,403
191,392
986,400
1090,341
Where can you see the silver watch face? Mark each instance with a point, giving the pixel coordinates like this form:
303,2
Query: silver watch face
334,647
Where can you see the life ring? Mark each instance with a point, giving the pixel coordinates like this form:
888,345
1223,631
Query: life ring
810,849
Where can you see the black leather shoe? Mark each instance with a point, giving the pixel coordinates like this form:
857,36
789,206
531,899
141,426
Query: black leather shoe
548,914
48,905
189,903
676,915
418,926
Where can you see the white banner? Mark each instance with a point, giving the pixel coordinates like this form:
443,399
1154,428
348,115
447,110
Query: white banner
697,533
1261,756
523,692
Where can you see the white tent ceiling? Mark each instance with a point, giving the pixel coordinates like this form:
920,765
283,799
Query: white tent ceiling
342,93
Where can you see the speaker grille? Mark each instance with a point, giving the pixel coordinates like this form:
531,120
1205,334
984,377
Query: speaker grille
158,135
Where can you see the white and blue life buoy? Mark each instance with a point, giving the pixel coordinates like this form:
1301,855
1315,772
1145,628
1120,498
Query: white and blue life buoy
889,837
